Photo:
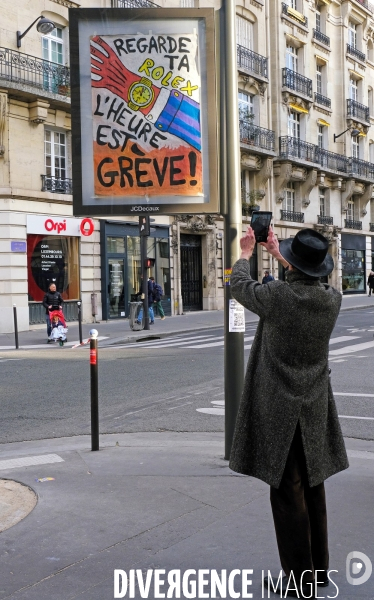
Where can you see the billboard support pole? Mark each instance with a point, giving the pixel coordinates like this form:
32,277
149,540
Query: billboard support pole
234,341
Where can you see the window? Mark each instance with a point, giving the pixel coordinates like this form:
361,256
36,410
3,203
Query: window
321,136
355,148
245,106
291,58
370,51
371,153
319,79
53,46
370,100
187,3
289,200
244,32
292,4
351,210
322,202
353,89
352,34
55,154
294,124
318,20
244,180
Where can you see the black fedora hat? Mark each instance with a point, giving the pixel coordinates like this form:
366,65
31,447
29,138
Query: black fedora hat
307,251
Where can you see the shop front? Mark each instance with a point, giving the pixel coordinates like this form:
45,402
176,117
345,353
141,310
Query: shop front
353,263
121,266
53,250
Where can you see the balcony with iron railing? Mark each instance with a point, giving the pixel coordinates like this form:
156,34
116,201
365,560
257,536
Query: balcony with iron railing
323,220
361,168
355,110
258,137
294,14
365,4
23,72
322,100
133,4
321,37
352,224
290,215
296,82
332,161
57,185
293,148
356,53
251,62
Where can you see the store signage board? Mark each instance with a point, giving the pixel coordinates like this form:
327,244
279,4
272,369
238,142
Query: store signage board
62,226
144,118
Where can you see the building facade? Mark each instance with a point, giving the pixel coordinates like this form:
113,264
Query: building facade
305,97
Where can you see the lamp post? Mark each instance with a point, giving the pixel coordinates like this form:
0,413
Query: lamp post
44,26
354,133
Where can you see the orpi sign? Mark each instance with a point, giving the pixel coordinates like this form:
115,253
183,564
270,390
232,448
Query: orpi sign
62,226
144,117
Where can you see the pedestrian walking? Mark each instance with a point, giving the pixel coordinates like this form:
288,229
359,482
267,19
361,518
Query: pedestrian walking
267,277
52,301
158,292
371,282
150,304
287,430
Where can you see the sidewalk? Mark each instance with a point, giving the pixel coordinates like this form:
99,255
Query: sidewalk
119,330
161,501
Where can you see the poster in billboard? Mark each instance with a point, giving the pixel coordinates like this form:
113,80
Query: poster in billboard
144,111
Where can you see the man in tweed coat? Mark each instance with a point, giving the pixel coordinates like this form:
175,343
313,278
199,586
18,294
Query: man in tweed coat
287,429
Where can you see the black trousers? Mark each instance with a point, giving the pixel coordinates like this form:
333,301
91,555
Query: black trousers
300,518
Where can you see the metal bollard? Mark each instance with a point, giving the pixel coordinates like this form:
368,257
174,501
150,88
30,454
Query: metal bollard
15,325
79,304
94,390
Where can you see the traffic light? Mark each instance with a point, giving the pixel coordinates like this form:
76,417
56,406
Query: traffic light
149,263
144,226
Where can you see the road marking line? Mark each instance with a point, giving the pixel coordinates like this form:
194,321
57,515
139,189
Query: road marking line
151,406
212,344
360,418
212,411
170,343
30,461
344,338
355,348
361,454
353,394
185,404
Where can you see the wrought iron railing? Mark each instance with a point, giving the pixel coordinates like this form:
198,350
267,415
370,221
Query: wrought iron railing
321,37
290,215
356,53
291,147
332,161
319,99
371,226
294,14
351,224
58,185
366,4
358,111
36,72
256,136
250,61
133,4
323,220
297,82
37,311
361,168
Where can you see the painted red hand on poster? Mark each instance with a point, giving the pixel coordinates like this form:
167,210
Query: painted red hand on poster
110,73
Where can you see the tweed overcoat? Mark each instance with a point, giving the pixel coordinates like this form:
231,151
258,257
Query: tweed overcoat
287,379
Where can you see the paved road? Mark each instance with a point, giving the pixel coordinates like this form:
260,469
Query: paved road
173,384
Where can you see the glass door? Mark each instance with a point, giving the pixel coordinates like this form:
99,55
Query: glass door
116,290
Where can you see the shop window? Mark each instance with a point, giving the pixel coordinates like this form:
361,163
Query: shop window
115,245
289,200
353,271
55,151
244,33
53,259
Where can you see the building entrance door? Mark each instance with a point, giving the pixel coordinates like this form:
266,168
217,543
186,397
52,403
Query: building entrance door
191,279
116,290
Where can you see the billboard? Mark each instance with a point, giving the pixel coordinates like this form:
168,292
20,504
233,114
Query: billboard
144,120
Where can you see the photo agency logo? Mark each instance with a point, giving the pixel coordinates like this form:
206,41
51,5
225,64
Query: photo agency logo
358,568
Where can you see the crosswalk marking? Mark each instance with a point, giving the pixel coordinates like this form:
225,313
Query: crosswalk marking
355,348
210,345
177,340
343,338
353,394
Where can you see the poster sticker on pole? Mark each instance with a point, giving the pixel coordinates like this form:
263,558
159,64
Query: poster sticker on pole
143,111
236,317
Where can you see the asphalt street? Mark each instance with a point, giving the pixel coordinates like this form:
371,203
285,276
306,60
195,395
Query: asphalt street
169,384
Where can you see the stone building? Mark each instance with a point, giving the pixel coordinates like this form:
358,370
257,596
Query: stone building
305,95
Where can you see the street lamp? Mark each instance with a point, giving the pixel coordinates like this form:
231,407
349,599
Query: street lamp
44,26
354,133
